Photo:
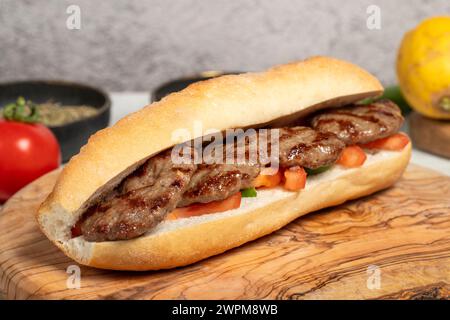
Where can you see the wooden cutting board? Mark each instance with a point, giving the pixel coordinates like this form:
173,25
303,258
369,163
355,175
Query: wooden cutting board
394,244
430,135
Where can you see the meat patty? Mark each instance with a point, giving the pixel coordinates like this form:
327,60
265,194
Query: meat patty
212,182
298,146
303,146
360,123
222,174
138,205
153,169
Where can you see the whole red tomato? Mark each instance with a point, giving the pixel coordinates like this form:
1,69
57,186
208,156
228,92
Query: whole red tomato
27,151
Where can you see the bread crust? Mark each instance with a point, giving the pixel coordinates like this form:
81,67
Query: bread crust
272,97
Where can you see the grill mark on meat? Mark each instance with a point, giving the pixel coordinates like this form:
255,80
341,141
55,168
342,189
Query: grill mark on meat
221,181
361,123
303,146
217,182
344,126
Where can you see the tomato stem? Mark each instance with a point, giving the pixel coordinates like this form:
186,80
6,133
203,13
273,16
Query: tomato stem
21,111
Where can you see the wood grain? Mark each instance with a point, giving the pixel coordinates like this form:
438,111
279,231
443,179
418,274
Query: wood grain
403,231
430,135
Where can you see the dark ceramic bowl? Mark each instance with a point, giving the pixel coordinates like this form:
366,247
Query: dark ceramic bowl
73,135
179,84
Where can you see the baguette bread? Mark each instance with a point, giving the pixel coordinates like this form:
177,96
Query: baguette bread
274,98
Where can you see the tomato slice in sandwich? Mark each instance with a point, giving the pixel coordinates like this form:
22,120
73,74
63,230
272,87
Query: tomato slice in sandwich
295,178
352,157
198,209
268,178
395,142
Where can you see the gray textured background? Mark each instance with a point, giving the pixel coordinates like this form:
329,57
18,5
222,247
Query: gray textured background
136,45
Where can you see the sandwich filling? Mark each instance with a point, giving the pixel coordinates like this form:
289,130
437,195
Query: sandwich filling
160,187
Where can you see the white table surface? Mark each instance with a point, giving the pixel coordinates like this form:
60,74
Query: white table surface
126,102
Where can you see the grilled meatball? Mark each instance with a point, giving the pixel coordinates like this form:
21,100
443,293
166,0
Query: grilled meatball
212,182
303,146
138,209
360,124
150,171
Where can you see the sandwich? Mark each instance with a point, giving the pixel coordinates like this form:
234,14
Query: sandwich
224,162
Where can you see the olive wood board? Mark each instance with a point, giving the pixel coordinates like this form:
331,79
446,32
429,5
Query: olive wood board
394,244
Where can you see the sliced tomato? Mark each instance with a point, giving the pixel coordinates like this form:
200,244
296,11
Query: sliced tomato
267,180
395,142
352,157
295,178
198,209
